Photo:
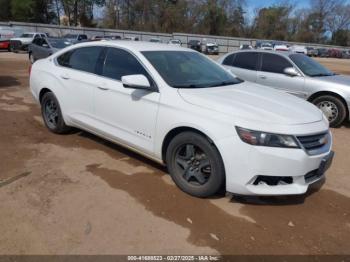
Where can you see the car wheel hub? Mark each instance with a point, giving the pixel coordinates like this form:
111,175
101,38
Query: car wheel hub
329,109
193,164
51,113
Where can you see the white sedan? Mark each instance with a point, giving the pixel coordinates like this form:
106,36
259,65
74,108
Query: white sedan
180,108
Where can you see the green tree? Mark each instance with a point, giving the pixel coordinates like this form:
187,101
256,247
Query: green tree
5,10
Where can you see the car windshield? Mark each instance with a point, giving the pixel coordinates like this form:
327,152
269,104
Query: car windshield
59,43
309,66
27,35
184,69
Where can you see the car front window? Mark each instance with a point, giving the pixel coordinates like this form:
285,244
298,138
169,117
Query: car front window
309,66
183,69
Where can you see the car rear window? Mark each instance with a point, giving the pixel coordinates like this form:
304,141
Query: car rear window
229,60
248,60
83,59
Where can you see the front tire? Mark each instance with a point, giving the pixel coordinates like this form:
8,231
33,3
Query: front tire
52,114
333,108
195,165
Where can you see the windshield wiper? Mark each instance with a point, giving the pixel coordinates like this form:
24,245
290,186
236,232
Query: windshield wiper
223,83
187,86
322,74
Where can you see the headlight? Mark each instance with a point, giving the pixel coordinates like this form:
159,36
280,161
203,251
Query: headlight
258,138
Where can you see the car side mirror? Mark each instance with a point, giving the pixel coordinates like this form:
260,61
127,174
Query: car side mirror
291,71
136,82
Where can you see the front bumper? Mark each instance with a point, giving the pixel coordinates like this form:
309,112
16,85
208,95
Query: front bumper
246,164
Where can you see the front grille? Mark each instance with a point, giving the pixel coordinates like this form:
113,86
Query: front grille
313,143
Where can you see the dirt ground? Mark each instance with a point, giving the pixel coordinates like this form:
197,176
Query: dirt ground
78,194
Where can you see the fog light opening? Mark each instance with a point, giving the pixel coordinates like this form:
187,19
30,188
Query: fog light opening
273,180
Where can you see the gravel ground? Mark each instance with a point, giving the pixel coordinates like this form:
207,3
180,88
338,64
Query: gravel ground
79,194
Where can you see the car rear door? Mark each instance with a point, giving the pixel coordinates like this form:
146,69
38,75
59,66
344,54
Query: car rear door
76,72
243,65
125,114
271,74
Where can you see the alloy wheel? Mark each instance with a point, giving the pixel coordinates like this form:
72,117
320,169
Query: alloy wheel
193,164
51,113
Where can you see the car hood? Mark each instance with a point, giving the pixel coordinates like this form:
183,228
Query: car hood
250,101
338,79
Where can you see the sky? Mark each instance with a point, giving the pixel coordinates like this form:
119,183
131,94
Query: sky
251,5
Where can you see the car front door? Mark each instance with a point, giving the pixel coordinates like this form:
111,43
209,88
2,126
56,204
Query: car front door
76,72
244,65
125,114
42,48
271,74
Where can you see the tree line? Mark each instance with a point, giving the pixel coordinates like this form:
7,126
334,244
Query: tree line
324,21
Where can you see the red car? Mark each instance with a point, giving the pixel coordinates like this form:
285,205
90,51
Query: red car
5,44
5,36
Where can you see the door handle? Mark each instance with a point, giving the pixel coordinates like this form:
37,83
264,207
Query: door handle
262,77
103,88
65,77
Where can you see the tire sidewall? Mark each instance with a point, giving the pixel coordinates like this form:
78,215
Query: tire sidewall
61,126
217,176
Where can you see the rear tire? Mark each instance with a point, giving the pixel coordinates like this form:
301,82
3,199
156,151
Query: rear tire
333,108
52,114
195,165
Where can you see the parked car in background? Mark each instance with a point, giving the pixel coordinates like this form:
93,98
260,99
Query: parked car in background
211,49
195,45
105,37
182,109
335,53
131,38
21,43
298,49
345,54
266,46
76,38
245,46
155,40
296,74
322,52
42,48
5,36
281,47
174,42
312,52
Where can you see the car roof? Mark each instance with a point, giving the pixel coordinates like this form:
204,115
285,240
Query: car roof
283,53
136,45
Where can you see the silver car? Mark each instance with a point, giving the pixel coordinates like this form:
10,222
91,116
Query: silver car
296,74
42,48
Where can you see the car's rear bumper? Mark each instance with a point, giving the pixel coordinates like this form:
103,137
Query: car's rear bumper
249,167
